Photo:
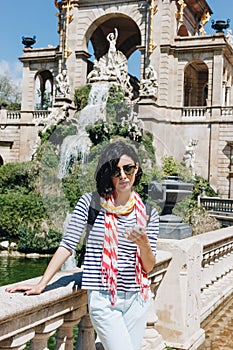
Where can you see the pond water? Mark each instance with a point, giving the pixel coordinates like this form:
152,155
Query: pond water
16,269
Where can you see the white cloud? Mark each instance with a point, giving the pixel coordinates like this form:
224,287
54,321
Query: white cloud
13,70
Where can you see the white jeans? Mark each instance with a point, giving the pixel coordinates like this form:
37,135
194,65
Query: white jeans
122,326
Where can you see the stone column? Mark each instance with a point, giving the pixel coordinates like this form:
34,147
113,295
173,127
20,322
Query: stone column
217,78
86,338
142,49
65,336
231,171
43,333
178,300
78,71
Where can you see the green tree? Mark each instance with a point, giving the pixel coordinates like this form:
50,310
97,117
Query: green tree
10,93
81,96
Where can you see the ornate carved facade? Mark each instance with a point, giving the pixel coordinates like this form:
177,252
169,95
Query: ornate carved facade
192,95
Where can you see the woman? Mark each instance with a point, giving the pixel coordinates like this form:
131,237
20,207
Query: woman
120,251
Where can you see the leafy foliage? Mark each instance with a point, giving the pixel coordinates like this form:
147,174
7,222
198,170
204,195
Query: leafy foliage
10,93
202,185
81,96
200,220
17,208
117,108
40,242
47,100
18,176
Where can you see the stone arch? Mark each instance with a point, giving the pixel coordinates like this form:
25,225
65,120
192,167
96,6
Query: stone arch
1,161
196,83
129,37
183,31
44,89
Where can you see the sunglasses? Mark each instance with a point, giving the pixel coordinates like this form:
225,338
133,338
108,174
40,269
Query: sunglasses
128,169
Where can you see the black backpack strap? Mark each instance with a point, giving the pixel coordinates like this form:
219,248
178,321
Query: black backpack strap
149,208
93,211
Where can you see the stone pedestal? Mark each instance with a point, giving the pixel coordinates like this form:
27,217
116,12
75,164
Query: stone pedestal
178,302
61,101
171,226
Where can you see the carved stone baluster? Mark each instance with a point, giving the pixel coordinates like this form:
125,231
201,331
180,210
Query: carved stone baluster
17,342
86,338
205,276
40,342
65,336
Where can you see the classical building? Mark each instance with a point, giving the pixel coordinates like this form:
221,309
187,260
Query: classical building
185,94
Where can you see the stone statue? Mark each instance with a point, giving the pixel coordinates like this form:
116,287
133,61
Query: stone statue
229,37
112,67
62,84
189,155
149,85
112,38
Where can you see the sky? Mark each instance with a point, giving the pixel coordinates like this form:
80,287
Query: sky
20,18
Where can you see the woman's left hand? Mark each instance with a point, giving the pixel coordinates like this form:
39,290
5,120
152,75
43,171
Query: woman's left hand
138,235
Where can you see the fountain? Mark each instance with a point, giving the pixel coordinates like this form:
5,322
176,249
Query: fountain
111,69
76,147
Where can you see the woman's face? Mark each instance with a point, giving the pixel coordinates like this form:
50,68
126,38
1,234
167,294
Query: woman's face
123,176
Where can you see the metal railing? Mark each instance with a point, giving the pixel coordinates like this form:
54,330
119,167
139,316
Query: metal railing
217,204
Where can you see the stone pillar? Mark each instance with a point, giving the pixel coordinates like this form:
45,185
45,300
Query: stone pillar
142,49
231,171
86,338
79,69
178,300
152,340
217,78
65,336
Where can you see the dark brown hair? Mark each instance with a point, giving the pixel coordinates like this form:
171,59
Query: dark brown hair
108,160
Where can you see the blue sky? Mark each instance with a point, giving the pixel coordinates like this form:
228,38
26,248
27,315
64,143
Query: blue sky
29,17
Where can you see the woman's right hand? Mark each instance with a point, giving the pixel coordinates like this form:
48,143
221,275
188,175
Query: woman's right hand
28,289
54,265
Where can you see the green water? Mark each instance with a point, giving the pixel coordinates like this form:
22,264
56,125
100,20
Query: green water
16,269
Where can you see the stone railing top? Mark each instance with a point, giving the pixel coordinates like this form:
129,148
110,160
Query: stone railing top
60,288
215,237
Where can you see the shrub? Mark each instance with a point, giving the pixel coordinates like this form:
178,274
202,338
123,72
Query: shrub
18,176
200,220
17,208
34,240
81,96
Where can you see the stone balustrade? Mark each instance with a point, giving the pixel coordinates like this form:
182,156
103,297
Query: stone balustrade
192,277
58,309
194,113
199,278
216,269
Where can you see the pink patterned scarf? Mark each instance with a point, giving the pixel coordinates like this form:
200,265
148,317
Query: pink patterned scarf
110,249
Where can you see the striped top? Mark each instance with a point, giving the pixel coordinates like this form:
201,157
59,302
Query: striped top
92,278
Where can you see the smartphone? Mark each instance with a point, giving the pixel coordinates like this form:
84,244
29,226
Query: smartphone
138,228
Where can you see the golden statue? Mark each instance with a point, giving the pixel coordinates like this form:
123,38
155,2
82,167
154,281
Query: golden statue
204,19
180,14
153,11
